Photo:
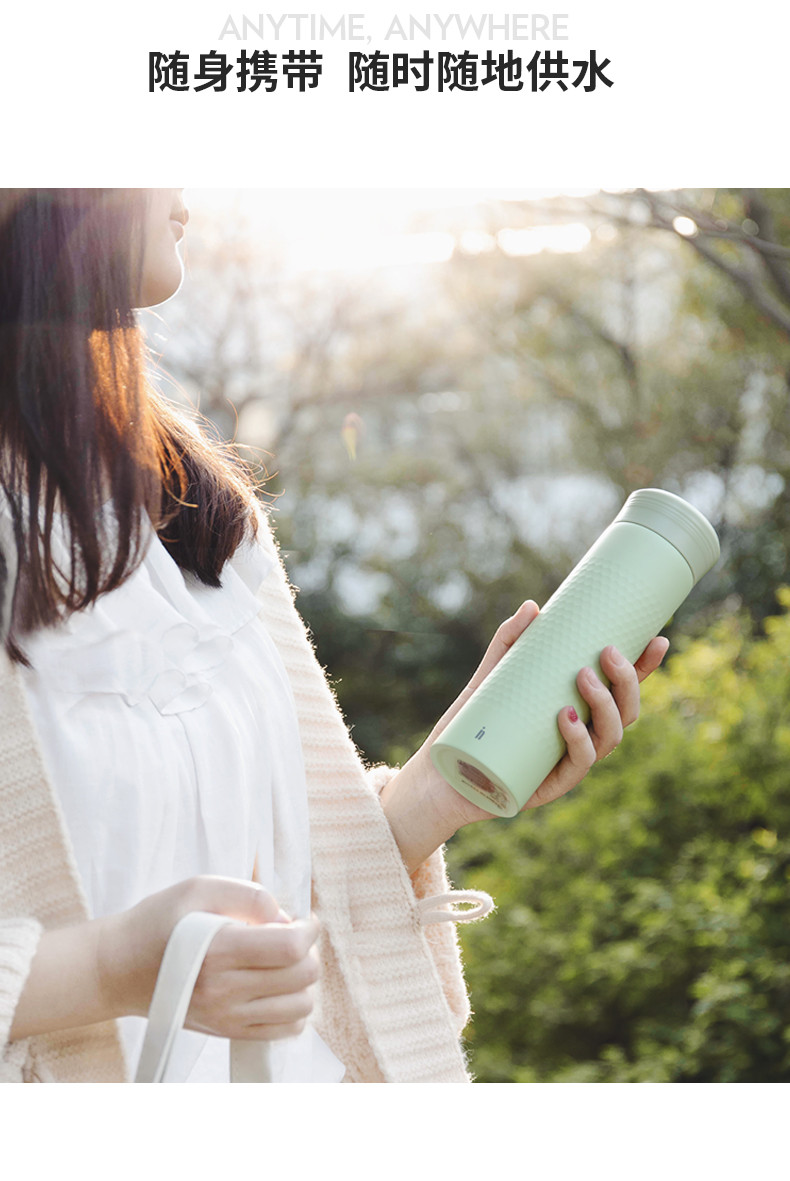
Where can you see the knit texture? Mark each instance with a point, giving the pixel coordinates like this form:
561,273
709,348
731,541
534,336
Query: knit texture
39,880
18,942
380,985
391,999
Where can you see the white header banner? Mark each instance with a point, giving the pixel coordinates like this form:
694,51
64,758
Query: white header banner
609,94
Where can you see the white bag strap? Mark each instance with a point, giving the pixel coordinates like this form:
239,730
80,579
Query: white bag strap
181,963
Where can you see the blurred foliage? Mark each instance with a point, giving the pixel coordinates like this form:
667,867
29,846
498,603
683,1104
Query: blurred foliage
446,441
641,932
501,430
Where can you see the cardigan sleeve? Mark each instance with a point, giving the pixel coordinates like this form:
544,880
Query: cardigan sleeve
431,881
18,943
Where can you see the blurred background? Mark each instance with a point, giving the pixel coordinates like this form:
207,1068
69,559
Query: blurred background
450,394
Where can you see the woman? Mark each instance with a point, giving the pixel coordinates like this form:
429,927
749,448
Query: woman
164,722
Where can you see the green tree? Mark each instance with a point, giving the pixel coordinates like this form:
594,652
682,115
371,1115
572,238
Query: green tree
642,929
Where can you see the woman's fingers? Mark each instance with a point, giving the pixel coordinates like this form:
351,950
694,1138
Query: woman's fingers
606,724
509,631
614,709
271,945
652,656
256,982
274,1011
573,766
257,1018
611,710
623,689
504,638
269,1033
266,982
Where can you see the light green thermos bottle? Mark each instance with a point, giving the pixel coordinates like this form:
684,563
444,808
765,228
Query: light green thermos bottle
504,741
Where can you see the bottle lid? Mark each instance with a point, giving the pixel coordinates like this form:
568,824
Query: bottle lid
677,522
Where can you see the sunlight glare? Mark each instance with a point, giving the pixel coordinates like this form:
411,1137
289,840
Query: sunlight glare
685,226
358,230
362,252
477,242
566,239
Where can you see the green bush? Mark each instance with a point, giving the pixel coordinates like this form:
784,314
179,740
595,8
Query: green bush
642,926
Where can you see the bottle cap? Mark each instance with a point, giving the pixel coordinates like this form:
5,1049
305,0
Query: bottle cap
677,522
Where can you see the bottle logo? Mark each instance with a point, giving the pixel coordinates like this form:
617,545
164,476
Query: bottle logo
480,733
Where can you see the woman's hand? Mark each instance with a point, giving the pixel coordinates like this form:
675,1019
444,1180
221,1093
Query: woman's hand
254,983
424,810
611,710
255,980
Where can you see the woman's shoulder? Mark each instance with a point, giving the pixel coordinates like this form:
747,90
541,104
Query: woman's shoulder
256,553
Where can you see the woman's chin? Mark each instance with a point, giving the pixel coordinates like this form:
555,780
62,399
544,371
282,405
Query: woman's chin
159,290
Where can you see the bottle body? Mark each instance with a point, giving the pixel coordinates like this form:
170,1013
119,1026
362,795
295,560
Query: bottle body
505,740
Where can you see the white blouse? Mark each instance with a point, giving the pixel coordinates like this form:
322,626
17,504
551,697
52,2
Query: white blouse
169,730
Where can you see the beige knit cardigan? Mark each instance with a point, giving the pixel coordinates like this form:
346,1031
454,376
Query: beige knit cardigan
391,1000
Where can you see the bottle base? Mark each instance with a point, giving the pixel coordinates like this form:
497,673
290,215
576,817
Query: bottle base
474,780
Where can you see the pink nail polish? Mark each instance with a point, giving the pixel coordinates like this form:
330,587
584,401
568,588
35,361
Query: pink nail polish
572,714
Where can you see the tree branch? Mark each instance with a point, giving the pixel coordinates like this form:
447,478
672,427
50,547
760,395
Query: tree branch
744,281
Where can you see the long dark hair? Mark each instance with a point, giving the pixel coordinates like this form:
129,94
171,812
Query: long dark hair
82,429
